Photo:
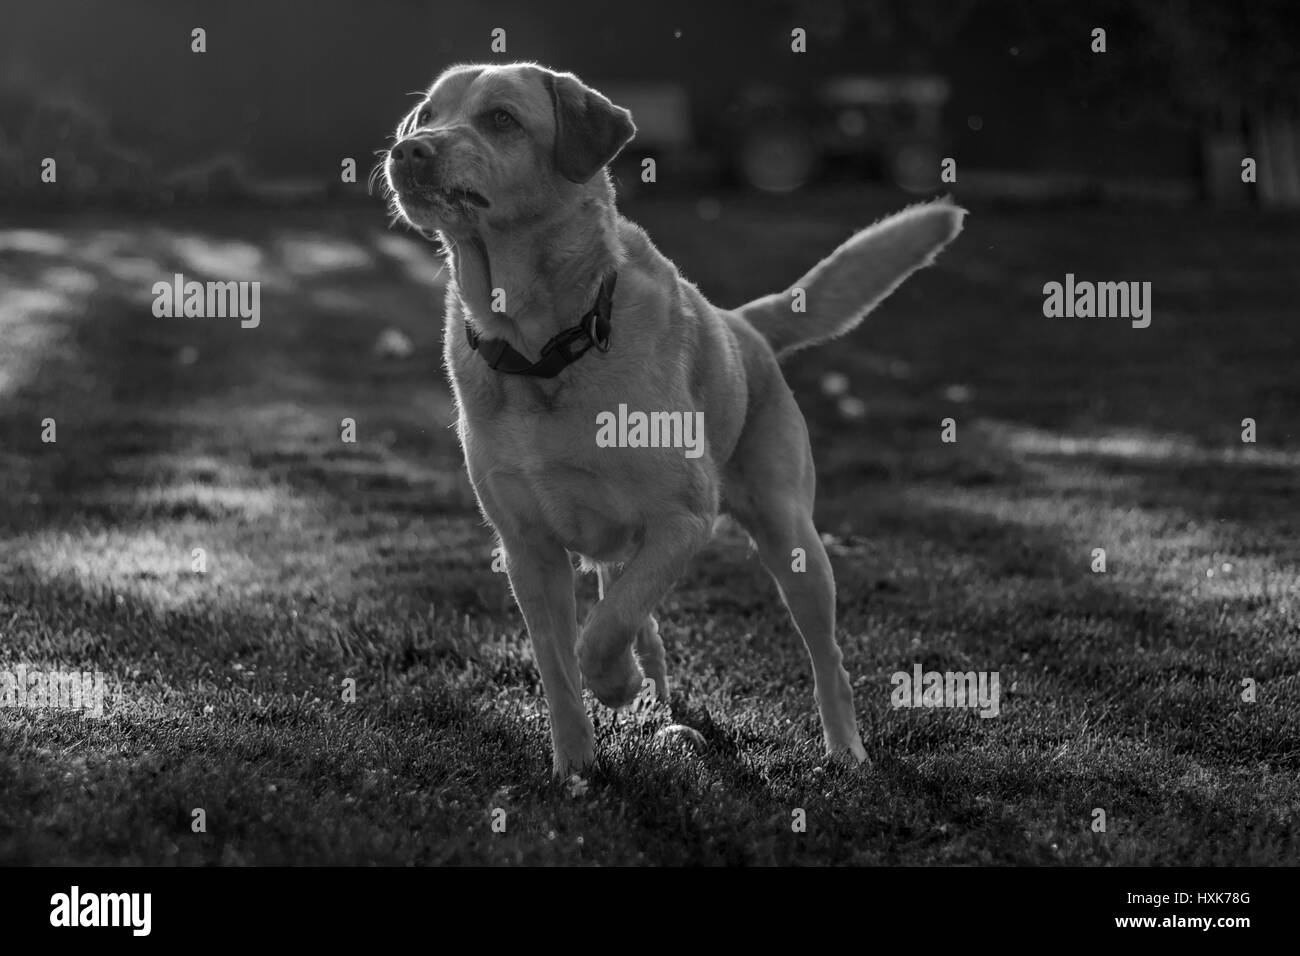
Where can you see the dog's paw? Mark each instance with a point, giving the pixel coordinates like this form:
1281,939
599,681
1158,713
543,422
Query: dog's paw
850,753
616,682
605,658
575,786
654,689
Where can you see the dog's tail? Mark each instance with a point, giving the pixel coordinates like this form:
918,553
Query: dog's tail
841,289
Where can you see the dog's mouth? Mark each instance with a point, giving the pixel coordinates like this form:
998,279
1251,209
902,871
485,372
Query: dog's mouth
456,196
455,201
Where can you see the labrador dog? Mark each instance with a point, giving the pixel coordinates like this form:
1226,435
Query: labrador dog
584,367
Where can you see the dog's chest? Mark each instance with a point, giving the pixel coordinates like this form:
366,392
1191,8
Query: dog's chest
552,468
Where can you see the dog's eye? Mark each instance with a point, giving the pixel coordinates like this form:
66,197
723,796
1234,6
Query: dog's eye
424,117
502,120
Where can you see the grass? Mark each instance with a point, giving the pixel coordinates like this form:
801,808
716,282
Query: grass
326,560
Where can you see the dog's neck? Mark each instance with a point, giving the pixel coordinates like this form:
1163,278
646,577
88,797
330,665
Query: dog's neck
541,277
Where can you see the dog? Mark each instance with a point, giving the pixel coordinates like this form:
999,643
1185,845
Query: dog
560,312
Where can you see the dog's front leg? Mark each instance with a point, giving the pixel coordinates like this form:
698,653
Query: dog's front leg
541,577
649,647
605,646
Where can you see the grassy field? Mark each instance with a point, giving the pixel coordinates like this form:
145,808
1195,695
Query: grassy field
327,560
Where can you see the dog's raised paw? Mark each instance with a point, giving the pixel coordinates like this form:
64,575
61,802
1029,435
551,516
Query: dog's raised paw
615,683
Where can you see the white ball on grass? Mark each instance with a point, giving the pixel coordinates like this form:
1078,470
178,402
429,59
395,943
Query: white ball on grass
681,735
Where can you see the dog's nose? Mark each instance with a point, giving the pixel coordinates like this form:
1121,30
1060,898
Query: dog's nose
414,153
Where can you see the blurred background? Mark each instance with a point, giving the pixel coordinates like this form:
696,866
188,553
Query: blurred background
885,89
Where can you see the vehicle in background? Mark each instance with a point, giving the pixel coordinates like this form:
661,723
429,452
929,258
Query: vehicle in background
775,139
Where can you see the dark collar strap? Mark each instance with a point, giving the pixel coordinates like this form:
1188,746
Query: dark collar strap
562,350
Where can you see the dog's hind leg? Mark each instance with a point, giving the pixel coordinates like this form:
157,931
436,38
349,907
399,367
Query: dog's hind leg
648,646
769,489
810,596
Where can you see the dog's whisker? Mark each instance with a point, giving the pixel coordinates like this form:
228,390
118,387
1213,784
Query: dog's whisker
376,176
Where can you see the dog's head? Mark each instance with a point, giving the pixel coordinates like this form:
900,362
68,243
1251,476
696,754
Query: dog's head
500,145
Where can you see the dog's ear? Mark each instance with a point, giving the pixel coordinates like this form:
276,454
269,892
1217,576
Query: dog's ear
589,129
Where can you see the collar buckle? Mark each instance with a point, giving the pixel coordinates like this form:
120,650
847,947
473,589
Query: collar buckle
565,348
597,328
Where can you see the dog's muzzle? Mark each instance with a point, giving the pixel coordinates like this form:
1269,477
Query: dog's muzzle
415,158
415,167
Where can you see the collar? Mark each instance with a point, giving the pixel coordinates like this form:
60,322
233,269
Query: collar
563,349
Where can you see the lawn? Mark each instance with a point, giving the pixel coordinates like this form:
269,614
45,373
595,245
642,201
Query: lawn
328,560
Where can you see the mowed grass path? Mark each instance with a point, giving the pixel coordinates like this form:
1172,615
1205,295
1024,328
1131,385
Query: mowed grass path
1120,691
